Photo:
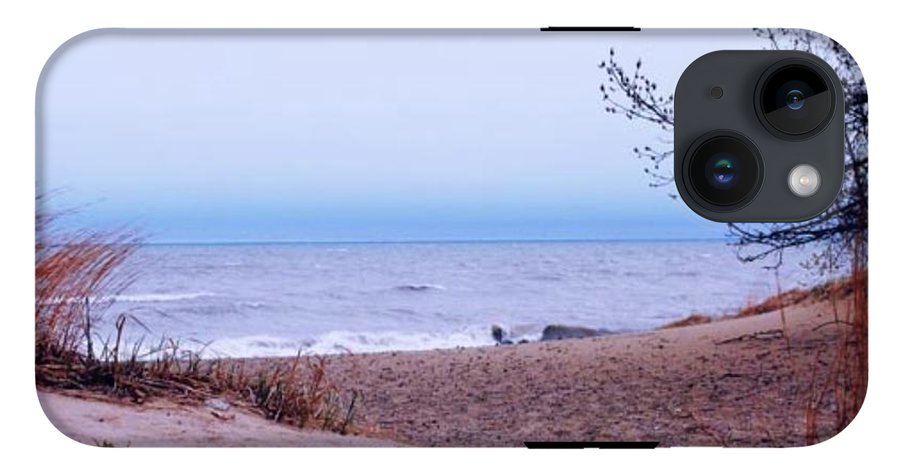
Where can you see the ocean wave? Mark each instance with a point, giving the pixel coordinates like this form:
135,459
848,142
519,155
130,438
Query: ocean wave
341,342
347,342
419,287
255,346
158,297
368,342
133,298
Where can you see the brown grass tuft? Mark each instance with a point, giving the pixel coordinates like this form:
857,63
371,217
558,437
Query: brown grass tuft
692,320
74,277
70,276
775,303
834,290
842,390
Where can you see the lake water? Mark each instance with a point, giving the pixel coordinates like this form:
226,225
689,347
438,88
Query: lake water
273,299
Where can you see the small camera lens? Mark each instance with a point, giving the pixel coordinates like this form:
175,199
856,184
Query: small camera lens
795,99
724,170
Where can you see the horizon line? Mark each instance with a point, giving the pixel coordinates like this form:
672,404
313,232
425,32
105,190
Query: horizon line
423,241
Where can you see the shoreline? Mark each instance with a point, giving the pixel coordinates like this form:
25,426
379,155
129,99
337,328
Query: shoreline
731,381
735,381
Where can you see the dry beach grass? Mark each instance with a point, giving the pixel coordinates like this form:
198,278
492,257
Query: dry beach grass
71,270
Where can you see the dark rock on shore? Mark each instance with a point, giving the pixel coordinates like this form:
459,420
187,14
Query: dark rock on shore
500,335
560,332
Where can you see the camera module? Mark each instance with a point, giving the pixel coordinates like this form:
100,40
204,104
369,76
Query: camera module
759,136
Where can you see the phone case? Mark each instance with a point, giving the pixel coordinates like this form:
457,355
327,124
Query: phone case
424,238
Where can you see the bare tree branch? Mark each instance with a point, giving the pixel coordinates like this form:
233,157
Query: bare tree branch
631,93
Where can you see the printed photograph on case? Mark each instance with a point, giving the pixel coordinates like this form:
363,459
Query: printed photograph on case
424,238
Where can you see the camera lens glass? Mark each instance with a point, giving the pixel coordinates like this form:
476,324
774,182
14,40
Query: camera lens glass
796,100
724,171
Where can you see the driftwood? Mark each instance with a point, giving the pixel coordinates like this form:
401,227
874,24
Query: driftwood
761,335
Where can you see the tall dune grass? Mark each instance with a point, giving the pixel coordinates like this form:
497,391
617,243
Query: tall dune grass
844,386
71,271
77,273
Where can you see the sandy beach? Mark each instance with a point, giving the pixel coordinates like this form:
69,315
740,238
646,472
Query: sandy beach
161,423
738,382
731,382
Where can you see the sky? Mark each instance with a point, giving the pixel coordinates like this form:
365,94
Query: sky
342,136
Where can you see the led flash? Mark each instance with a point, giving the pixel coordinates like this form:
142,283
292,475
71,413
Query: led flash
803,180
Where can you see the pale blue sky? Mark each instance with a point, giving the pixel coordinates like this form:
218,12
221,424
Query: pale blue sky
363,136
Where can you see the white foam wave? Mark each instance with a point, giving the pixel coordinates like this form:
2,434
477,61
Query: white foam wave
158,297
148,297
339,342
367,342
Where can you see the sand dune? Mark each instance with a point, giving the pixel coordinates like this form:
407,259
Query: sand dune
741,382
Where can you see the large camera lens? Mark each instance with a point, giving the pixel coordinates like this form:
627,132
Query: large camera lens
723,170
795,99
